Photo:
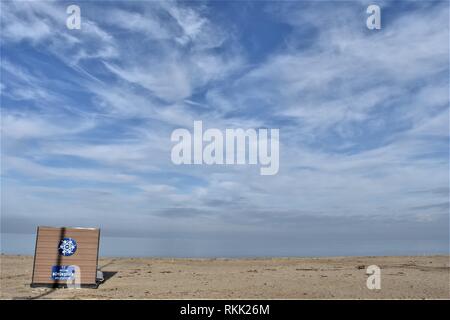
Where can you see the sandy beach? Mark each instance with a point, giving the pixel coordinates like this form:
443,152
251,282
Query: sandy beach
420,277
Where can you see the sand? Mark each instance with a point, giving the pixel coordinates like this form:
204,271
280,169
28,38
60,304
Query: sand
424,277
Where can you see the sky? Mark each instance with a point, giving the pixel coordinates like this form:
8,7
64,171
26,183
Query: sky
363,117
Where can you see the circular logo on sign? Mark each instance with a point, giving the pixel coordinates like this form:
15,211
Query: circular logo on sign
67,246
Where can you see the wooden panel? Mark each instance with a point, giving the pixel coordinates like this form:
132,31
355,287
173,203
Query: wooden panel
47,254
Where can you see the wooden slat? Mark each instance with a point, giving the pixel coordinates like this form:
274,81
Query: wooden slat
80,251
51,244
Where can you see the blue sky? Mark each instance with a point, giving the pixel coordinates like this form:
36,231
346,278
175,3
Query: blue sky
363,117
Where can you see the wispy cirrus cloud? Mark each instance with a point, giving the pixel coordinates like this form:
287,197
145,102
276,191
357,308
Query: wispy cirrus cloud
87,115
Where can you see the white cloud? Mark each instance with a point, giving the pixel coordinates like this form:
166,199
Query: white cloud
17,127
359,115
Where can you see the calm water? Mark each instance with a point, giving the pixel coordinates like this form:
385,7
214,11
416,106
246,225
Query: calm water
156,247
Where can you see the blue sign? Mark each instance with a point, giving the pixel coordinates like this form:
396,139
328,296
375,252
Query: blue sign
63,273
67,246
